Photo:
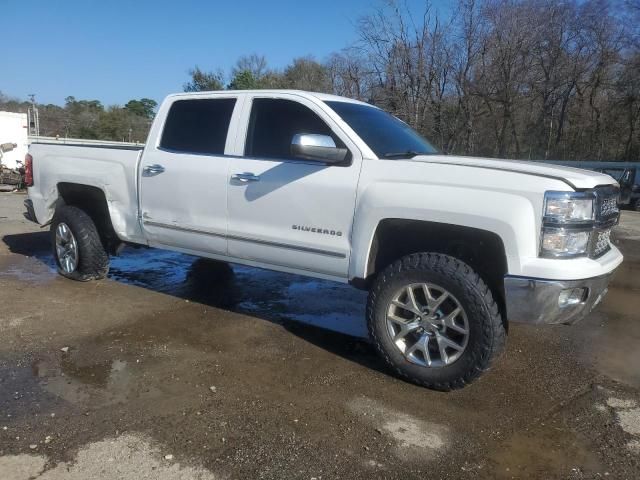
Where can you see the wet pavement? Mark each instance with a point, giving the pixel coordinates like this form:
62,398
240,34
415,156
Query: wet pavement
177,367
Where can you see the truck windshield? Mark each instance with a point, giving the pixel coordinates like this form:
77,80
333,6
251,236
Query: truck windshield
386,135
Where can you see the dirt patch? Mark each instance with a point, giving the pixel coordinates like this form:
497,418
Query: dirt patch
127,456
415,439
544,454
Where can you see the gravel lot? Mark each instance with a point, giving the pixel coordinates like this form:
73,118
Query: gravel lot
178,368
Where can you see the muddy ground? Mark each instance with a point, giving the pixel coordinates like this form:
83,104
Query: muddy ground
178,368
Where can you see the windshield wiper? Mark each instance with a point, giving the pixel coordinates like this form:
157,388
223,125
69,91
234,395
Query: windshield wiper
407,154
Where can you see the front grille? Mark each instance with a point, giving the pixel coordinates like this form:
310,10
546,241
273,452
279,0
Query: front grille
607,210
601,242
607,216
609,207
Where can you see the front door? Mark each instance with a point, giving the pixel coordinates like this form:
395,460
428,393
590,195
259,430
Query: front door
183,180
283,211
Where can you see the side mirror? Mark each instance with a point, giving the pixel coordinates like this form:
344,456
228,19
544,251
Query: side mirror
321,148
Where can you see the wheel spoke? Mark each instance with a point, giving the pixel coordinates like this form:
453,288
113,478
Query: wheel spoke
405,329
450,322
405,306
444,342
427,293
438,301
412,298
64,232
422,345
397,320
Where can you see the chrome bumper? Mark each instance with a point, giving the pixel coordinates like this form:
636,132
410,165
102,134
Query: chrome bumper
537,301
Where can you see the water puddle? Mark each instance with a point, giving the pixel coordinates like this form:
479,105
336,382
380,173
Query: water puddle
615,330
31,269
544,454
271,295
74,381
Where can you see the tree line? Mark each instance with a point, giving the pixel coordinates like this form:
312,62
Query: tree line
539,79
526,79
90,119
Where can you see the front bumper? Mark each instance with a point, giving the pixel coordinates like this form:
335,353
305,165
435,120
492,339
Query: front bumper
537,301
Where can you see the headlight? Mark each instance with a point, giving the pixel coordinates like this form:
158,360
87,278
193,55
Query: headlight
568,207
567,223
562,242
578,224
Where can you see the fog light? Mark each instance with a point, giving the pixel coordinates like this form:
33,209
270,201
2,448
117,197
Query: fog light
572,296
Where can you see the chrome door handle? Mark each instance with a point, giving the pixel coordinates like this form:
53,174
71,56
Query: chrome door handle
154,169
245,177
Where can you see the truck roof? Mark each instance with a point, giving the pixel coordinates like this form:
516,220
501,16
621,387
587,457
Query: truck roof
325,97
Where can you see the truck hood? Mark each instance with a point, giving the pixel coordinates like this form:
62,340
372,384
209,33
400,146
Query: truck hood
577,178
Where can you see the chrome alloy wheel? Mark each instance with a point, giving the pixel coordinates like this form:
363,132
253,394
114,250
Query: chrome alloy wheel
428,325
66,248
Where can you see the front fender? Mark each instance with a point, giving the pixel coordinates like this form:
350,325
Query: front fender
512,216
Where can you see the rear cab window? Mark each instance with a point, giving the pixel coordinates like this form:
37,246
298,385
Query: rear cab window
198,126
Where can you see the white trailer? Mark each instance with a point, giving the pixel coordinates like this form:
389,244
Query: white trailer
14,128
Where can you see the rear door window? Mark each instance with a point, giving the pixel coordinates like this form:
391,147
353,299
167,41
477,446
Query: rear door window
198,126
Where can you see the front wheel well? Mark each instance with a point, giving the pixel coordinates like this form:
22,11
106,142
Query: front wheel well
93,202
480,249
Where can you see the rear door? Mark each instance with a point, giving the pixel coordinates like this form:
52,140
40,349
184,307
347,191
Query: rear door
183,180
286,212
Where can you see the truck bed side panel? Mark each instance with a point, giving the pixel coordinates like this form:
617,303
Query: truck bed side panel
112,170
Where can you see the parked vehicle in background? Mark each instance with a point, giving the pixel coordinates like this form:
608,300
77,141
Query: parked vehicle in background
9,176
451,249
628,177
627,174
14,129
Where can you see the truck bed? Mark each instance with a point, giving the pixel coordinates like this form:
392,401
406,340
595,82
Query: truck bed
109,166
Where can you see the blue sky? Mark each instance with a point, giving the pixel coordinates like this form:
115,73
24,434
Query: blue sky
114,50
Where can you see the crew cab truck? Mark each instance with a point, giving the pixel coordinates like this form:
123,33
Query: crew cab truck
451,249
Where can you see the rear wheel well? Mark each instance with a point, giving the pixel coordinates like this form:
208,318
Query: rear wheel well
92,201
480,249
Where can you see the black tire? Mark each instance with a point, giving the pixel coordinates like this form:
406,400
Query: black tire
93,260
486,331
637,205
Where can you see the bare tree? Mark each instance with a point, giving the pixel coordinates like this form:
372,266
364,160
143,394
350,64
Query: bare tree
350,75
254,64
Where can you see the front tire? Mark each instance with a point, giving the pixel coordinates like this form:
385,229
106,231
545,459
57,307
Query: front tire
77,247
434,321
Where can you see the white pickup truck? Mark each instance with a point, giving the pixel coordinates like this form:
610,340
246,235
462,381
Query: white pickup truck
451,249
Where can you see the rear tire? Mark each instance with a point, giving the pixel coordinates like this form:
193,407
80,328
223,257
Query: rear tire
77,247
434,321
